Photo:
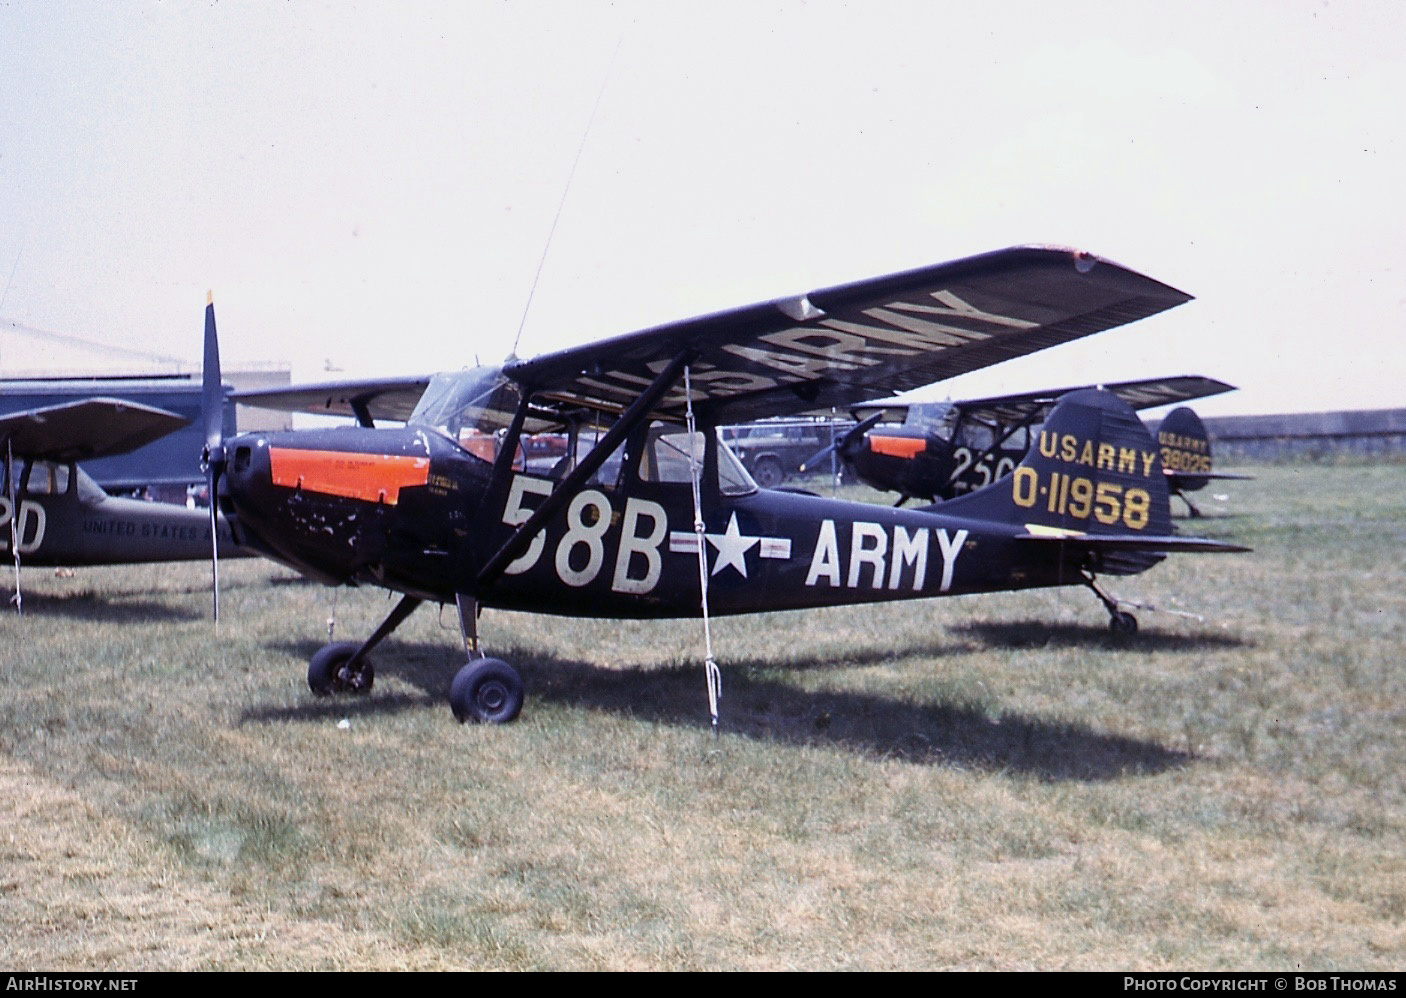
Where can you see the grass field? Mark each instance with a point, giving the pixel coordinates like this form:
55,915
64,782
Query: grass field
979,782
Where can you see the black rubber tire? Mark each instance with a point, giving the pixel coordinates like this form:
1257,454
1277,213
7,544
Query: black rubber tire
768,473
486,691
328,674
1122,623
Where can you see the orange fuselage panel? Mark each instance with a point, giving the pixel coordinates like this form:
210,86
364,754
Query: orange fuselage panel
897,446
371,477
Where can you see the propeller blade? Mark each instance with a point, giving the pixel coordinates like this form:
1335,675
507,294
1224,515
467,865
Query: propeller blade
215,548
843,440
212,400
212,404
819,455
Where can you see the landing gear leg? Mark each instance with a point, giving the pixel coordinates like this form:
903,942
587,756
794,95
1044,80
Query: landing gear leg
342,666
1119,621
486,690
1191,507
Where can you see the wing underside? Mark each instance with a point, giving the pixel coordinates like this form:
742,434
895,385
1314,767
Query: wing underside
885,335
369,400
86,429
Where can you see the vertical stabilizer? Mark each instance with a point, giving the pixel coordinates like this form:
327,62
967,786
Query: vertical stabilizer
1185,448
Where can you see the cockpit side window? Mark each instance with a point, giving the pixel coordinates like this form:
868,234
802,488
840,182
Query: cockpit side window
977,436
49,479
670,454
39,478
937,418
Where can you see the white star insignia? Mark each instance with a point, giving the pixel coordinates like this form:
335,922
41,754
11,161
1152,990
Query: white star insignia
732,548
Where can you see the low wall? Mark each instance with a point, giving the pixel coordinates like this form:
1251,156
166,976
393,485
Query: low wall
1309,434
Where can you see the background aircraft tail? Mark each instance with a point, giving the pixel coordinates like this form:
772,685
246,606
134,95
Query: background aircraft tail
1185,448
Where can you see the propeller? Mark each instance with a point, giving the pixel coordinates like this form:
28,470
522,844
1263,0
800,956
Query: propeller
212,461
843,440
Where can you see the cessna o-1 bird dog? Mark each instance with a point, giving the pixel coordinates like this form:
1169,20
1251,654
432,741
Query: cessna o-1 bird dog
647,515
939,450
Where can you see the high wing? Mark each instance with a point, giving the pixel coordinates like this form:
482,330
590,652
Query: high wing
885,335
370,400
86,429
1008,410
1139,395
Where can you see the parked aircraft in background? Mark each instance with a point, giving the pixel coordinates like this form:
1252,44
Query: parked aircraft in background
52,513
940,450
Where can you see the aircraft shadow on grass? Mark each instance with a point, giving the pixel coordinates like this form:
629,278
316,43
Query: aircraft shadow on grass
1042,634
87,605
944,733
124,606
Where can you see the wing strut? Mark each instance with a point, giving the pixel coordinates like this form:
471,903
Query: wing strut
695,471
638,411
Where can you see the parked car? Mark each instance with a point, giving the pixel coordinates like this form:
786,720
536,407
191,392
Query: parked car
774,449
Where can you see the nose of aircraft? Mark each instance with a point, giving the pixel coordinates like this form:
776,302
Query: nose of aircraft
280,523
246,476
322,501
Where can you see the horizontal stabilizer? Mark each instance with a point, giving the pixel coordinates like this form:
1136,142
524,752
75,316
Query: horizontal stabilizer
1200,478
1163,544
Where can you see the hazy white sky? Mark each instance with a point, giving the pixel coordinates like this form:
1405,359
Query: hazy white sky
373,184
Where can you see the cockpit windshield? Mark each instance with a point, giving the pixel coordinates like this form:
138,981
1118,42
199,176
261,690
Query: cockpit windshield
937,418
473,408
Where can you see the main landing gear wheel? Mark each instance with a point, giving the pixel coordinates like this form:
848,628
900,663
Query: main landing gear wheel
487,690
1123,623
329,673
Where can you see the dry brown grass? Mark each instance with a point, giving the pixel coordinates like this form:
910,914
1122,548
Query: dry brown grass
984,782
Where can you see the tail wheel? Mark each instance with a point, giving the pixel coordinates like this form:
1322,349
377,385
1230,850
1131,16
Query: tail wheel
329,670
488,691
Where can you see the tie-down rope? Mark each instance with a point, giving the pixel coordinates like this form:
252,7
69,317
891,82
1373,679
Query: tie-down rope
710,667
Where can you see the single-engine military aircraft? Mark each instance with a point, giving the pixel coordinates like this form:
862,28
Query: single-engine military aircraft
52,514
655,518
939,450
